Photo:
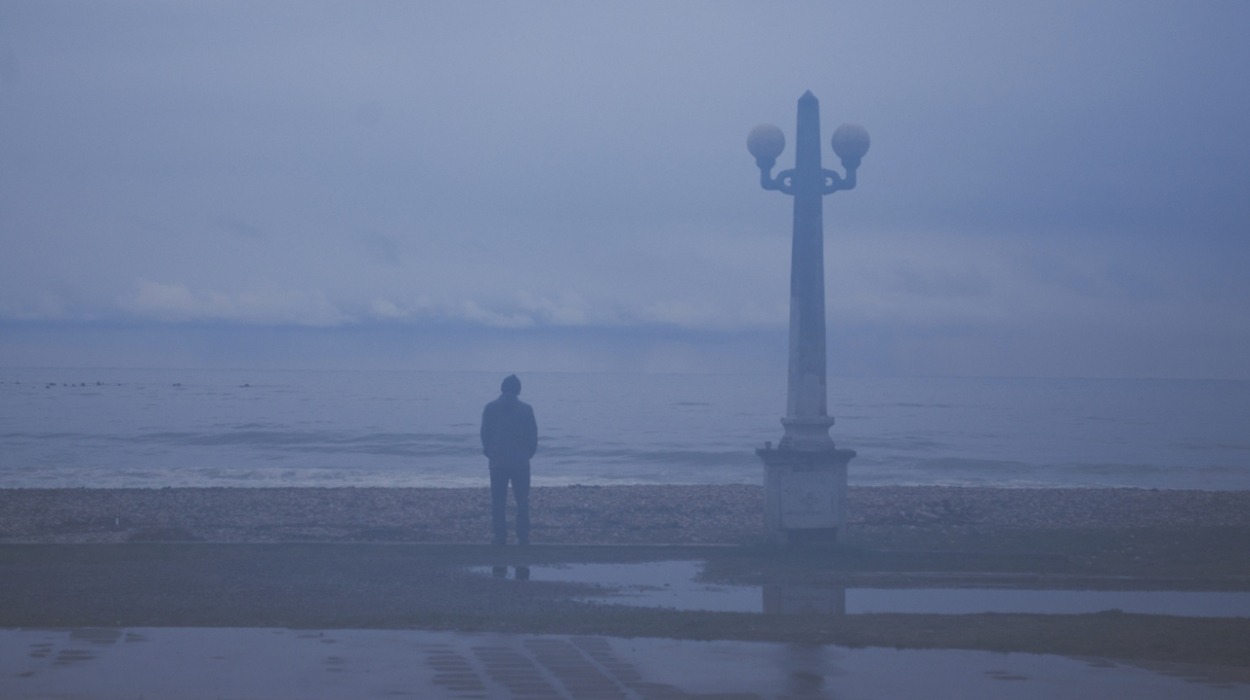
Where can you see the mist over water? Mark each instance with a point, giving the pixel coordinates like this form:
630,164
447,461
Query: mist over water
155,428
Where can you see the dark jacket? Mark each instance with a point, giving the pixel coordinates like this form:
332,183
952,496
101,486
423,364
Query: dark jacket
509,432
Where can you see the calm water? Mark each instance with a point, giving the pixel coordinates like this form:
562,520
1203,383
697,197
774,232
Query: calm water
153,428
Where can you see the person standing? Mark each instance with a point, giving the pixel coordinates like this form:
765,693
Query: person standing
509,440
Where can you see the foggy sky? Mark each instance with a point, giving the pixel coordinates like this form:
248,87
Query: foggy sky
1053,188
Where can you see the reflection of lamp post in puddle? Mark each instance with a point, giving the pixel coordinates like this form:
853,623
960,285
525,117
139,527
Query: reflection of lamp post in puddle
805,477
798,599
804,666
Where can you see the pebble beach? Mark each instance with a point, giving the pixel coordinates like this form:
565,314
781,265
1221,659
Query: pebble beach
669,514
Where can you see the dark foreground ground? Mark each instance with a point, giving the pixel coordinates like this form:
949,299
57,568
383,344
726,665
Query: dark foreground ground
363,575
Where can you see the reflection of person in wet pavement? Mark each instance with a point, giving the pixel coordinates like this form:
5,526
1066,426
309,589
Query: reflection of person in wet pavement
522,572
509,440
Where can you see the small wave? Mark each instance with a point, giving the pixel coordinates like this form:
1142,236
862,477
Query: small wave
727,458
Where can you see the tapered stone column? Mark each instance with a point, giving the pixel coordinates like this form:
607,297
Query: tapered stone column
805,477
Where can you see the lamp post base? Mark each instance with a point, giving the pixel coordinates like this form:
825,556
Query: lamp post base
804,493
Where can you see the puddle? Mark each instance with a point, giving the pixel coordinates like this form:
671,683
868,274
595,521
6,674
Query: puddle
672,584
193,663
956,601
662,584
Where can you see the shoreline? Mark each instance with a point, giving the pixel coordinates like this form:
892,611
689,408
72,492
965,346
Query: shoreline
642,514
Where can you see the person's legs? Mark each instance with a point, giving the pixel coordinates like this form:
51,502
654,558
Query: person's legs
498,501
521,491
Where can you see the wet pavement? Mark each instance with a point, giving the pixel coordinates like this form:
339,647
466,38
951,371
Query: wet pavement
277,664
328,621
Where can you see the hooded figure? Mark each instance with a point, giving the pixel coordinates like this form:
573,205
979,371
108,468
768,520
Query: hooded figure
509,440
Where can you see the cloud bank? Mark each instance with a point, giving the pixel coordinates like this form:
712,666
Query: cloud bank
1042,179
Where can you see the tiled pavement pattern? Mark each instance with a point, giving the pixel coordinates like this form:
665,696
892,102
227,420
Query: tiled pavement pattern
577,668
454,673
283,664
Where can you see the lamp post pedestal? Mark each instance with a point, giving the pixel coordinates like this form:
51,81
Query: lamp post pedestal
805,477
804,493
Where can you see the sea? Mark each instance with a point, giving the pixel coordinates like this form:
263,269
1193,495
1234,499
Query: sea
153,428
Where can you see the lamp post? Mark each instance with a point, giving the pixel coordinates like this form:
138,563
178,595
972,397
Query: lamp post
805,477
